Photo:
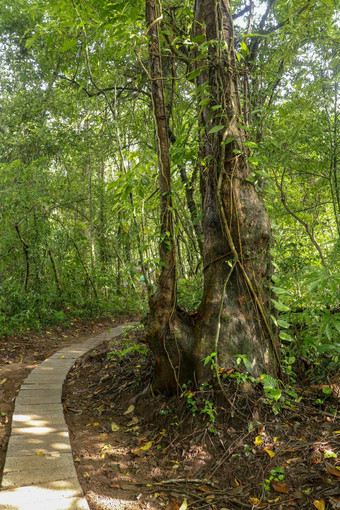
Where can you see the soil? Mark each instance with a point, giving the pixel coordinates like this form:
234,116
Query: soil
213,447
20,354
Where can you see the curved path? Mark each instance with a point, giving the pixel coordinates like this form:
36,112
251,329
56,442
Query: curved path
39,473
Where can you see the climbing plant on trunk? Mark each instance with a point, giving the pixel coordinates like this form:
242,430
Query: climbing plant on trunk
234,315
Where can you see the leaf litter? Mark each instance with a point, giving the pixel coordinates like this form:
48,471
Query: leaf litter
153,452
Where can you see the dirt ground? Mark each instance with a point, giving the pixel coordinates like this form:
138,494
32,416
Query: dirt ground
20,354
136,450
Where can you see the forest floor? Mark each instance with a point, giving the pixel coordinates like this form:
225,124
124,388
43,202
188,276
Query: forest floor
136,450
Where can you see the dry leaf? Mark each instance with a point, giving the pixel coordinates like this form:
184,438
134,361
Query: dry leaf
184,505
172,506
204,488
137,452
41,454
293,459
258,440
270,453
281,487
320,505
333,470
130,409
236,490
254,501
114,427
316,457
3,381
147,446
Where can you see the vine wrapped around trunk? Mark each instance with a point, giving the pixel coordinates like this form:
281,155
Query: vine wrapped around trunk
235,309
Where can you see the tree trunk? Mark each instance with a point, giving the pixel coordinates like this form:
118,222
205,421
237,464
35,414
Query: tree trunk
235,310
163,302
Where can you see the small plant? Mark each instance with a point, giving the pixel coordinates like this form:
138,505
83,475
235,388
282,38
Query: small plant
195,405
164,412
210,359
276,474
271,391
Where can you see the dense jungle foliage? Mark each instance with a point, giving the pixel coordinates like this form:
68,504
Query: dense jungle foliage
79,189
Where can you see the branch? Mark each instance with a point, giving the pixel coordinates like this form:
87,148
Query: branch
101,91
297,218
175,50
239,14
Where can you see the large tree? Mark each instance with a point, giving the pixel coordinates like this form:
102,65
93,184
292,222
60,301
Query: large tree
234,315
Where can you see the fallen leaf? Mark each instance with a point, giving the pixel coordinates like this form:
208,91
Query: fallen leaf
137,452
293,459
62,357
236,490
95,424
270,453
281,487
335,502
114,427
41,454
130,409
184,505
316,457
328,454
134,421
77,459
258,440
320,505
3,381
333,470
204,488
147,446
255,501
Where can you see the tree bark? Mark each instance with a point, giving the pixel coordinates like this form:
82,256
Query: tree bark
235,310
163,302
235,225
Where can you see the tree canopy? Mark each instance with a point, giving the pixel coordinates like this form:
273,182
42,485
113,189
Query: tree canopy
142,157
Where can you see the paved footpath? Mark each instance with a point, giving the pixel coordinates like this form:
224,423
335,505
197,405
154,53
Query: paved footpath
39,472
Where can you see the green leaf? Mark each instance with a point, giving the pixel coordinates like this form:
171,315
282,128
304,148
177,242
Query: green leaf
198,39
195,73
283,324
280,306
284,336
244,48
69,44
279,290
252,145
215,129
228,140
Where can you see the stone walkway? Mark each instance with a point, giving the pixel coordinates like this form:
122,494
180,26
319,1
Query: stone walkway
39,472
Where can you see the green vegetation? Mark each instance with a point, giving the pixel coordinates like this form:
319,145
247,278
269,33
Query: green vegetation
79,184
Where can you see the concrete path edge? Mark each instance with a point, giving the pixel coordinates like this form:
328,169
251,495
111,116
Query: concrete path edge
39,471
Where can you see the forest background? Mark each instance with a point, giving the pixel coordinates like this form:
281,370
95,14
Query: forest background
79,184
